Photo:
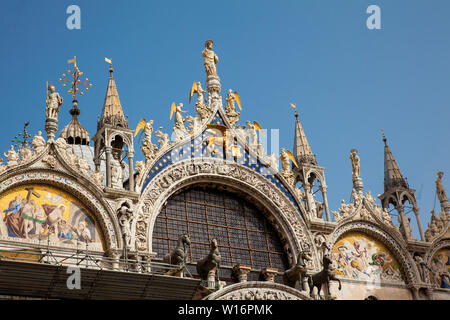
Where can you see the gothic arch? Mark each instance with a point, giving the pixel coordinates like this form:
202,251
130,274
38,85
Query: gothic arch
392,242
91,199
282,213
125,138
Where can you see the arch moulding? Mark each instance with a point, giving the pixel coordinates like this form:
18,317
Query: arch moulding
98,208
281,212
400,252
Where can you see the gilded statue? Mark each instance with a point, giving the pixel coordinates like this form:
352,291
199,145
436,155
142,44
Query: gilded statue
210,59
53,102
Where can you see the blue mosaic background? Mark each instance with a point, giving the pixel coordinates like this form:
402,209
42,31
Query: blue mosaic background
197,148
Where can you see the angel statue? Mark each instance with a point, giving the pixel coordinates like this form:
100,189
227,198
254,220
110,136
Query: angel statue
210,59
286,171
200,106
230,109
53,102
178,128
355,164
147,148
252,130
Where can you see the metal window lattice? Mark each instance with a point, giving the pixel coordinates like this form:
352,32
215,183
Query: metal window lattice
244,235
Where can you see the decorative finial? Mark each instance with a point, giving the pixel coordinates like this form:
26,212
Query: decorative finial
293,105
111,70
76,80
384,137
22,138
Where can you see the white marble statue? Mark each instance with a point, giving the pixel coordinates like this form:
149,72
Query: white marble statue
53,102
116,174
12,157
38,142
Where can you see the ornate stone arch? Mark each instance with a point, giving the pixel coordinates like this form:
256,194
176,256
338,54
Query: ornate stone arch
317,175
282,213
257,290
115,133
392,242
407,196
90,198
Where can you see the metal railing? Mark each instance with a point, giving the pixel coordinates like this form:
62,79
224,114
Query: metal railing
83,258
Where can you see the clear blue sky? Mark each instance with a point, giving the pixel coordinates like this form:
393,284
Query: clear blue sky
347,81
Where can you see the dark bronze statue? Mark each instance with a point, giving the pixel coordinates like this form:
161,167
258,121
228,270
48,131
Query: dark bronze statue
324,276
210,262
297,272
179,254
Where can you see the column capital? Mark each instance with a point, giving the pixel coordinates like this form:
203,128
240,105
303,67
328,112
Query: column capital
268,274
239,272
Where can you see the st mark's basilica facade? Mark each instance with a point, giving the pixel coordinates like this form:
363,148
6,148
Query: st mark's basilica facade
207,215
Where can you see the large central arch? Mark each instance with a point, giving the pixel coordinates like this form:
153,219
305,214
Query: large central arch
281,212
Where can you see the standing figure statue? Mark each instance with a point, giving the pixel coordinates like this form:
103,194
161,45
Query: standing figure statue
355,164
440,191
116,174
210,59
53,102
125,214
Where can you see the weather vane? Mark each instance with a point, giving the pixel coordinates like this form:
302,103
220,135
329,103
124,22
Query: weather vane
22,138
76,81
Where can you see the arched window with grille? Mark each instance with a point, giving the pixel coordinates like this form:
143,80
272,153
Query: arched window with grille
244,235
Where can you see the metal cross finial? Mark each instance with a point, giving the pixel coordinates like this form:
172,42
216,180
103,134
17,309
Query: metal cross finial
76,80
22,138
